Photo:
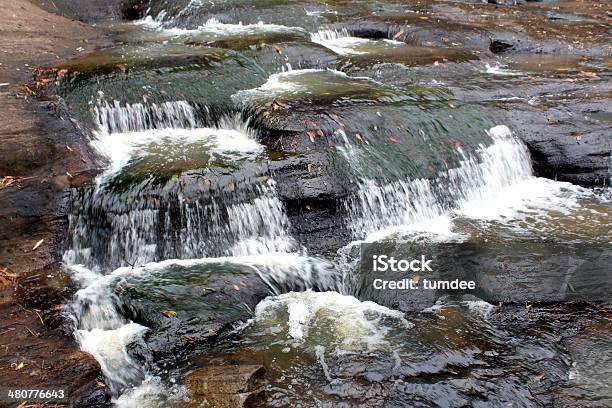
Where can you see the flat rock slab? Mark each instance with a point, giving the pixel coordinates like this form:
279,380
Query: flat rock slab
227,386
229,379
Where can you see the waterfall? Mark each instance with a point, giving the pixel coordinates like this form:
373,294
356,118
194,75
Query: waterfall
117,118
180,228
328,34
377,205
117,235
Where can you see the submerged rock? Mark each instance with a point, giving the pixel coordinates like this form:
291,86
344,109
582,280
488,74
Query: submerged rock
202,302
227,386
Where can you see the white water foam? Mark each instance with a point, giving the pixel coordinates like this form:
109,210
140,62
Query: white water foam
338,41
500,70
307,81
216,28
341,42
351,324
109,348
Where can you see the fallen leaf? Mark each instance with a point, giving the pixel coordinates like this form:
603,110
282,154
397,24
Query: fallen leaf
187,339
169,313
39,243
19,366
309,167
359,137
9,180
100,384
236,287
6,277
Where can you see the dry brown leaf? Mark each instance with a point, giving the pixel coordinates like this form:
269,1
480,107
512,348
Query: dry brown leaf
39,243
9,180
187,339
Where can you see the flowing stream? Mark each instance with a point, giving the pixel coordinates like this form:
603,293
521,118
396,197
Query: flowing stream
238,182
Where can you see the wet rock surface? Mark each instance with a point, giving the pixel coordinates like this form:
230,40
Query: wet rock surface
202,305
390,100
227,386
35,134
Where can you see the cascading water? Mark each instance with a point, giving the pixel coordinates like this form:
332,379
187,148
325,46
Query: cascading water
248,228
341,42
426,205
408,202
117,118
190,246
